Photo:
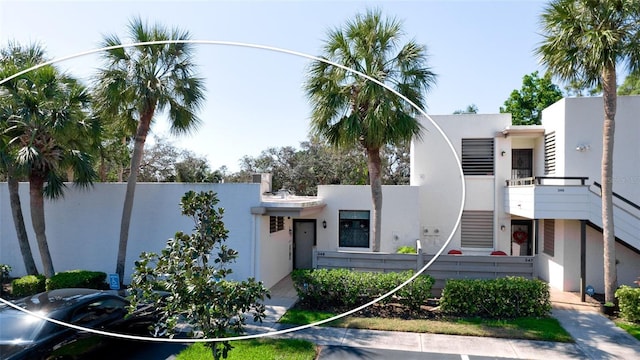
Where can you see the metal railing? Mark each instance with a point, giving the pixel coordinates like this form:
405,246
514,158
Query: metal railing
539,180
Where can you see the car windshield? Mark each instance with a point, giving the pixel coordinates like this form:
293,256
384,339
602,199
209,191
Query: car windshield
18,327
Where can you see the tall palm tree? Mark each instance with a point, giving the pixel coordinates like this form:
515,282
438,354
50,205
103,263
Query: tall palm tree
349,110
48,134
584,41
14,58
139,81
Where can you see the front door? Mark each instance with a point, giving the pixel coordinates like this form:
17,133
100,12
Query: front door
521,238
521,163
304,238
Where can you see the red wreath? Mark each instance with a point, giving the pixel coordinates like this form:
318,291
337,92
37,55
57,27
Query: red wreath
519,237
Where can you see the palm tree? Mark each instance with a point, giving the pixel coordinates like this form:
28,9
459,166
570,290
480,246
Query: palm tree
138,81
48,132
14,58
349,110
584,41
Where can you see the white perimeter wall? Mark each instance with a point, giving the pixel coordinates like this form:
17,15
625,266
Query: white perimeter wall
400,214
83,227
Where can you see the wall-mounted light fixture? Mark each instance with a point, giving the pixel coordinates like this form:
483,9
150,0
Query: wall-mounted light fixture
290,231
503,153
324,224
503,228
583,147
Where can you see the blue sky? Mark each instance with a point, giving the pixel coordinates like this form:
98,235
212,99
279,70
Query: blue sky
479,49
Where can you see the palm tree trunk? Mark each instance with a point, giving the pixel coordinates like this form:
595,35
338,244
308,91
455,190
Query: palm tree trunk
18,221
36,186
136,158
608,233
374,164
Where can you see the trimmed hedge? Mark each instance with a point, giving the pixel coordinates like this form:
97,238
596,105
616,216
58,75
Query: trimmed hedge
78,279
629,303
343,287
508,297
28,285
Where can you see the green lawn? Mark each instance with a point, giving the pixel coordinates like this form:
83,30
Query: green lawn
631,328
271,349
547,329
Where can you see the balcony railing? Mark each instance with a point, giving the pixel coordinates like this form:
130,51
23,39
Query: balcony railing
540,180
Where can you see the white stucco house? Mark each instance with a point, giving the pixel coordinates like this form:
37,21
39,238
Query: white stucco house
530,193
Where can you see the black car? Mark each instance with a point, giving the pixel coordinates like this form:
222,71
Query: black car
24,336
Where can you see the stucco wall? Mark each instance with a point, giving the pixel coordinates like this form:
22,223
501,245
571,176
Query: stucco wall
276,257
83,227
400,214
583,119
434,168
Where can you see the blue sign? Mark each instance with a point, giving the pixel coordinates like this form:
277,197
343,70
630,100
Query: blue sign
114,281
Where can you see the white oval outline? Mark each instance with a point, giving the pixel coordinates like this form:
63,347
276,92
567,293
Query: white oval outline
277,332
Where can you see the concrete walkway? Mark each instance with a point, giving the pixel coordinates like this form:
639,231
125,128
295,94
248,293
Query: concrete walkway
596,336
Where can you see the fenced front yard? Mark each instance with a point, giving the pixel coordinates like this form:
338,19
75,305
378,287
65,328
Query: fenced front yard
445,267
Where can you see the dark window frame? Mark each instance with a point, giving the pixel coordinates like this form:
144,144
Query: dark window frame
478,156
353,230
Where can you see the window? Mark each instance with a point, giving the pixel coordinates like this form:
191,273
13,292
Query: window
354,228
476,229
276,223
549,237
477,156
550,153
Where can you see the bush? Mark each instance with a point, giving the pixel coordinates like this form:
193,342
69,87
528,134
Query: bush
629,303
28,285
508,297
343,287
406,250
78,279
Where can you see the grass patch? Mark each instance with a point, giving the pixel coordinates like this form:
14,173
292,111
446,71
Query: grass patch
632,328
547,329
280,349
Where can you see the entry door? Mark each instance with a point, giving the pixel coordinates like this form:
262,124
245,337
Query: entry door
521,238
304,238
521,163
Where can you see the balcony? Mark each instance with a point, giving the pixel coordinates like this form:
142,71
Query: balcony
545,197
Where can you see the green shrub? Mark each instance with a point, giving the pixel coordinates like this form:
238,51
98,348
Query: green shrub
629,303
78,279
28,285
343,287
406,250
508,297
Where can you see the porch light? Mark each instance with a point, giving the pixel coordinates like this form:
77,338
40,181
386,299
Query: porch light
502,153
503,228
324,224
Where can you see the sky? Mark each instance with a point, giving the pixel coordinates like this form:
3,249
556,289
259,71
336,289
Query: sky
480,50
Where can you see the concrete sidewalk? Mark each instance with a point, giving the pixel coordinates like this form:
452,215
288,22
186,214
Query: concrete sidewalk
596,336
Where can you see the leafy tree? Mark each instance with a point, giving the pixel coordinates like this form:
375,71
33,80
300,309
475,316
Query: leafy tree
195,279
159,162
349,110
631,85
470,109
139,81
49,132
584,41
536,94
194,169
14,58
